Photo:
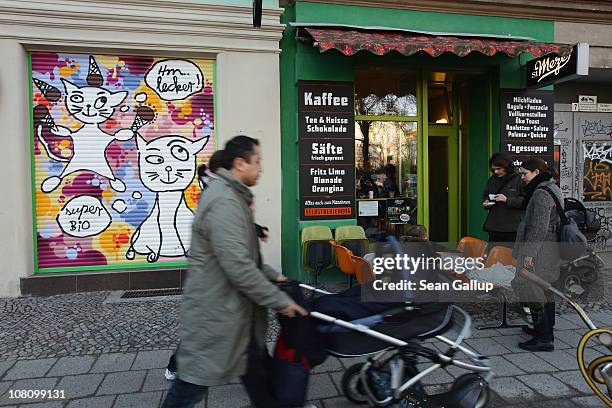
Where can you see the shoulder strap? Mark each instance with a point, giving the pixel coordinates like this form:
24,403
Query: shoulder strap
504,184
558,205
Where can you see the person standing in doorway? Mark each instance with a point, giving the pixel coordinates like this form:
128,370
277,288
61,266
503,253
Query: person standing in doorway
536,250
228,290
504,200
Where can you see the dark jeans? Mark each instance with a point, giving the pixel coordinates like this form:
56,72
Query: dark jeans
256,381
184,395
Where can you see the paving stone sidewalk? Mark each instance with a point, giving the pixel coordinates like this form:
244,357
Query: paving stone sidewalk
105,354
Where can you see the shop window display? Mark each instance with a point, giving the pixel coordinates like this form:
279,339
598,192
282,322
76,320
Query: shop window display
386,149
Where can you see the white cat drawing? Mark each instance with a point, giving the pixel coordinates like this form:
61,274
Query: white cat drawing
167,166
92,106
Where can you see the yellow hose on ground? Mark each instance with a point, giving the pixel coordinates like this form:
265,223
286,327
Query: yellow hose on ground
591,376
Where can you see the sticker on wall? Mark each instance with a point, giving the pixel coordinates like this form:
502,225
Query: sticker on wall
117,140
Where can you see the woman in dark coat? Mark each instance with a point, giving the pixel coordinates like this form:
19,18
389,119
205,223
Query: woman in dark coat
503,198
537,250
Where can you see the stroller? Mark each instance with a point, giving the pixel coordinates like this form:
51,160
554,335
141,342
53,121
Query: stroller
393,340
577,274
392,335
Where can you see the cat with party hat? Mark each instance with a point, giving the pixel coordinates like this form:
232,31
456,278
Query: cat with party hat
91,105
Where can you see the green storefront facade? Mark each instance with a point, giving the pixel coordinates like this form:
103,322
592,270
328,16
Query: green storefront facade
449,152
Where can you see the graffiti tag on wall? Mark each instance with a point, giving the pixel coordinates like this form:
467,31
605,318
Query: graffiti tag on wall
116,144
604,215
596,128
597,171
564,158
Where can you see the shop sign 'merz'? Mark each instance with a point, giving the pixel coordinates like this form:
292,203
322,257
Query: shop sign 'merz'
552,69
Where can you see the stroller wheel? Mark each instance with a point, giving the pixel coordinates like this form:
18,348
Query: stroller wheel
587,272
469,391
351,384
572,285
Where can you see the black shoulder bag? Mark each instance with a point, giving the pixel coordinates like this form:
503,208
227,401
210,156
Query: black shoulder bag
572,242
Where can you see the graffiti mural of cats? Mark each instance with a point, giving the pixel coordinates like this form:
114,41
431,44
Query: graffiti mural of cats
167,166
116,140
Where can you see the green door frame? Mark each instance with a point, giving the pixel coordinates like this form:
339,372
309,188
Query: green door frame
451,132
425,130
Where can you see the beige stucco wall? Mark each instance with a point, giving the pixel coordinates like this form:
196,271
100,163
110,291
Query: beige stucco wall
16,258
248,103
248,98
598,36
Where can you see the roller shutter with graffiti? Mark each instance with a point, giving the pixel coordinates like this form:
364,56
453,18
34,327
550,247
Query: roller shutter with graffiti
116,142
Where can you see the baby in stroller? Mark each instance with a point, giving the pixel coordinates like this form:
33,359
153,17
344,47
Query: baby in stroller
392,335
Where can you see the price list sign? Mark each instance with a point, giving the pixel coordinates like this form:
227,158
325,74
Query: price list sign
327,150
527,124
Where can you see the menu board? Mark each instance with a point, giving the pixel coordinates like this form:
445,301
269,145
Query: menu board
327,150
527,124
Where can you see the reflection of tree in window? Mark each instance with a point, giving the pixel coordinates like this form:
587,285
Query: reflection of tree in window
374,105
385,101
389,144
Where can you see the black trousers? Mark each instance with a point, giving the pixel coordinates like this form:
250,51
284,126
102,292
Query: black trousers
505,239
256,381
543,316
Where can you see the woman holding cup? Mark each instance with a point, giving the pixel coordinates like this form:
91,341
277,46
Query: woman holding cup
503,199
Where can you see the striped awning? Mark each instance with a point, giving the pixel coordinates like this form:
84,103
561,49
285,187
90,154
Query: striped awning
380,41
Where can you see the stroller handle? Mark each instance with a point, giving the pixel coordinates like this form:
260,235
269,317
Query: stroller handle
547,286
312,288
534,278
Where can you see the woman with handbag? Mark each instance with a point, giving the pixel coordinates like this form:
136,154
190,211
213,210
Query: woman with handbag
503,199
536,249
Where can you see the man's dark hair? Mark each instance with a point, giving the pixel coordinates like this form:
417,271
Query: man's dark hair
502,160
202,170
216,160
239,146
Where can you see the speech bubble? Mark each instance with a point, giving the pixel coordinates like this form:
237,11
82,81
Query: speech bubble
83,216
175,79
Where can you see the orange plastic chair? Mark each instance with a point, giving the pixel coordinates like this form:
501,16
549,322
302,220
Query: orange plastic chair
502,255
344,260
363,270
472,247
499,254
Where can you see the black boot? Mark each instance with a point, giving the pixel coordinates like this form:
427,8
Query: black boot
537,344
532,332
529,330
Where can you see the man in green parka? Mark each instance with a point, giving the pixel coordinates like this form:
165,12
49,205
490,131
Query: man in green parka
228,289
